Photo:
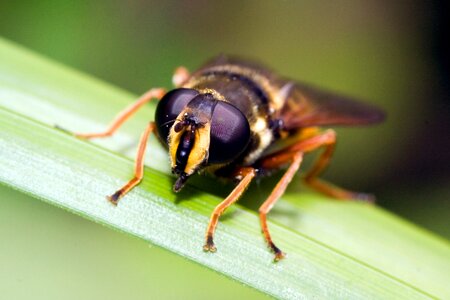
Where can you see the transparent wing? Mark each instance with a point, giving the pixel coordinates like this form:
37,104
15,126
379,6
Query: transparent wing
308,106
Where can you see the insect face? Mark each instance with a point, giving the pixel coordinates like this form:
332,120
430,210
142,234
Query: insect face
200,130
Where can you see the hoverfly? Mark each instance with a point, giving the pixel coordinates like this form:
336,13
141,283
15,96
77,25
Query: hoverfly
235,119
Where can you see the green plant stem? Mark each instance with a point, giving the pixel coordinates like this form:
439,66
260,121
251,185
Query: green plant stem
335,250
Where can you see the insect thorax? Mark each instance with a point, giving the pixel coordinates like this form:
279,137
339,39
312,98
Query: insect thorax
249,97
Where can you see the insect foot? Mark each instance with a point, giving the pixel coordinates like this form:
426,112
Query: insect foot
279,255
114,198
209,246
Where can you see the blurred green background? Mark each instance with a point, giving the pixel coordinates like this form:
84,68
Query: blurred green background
391,54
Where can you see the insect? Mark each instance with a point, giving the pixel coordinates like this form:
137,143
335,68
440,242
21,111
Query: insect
235,119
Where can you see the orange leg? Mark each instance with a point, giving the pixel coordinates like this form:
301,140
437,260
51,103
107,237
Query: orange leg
307,145
325,139
322,162
124,115
139,167
294,156
247,174
180,76
274,196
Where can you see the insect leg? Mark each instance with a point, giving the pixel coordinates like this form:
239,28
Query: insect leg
180,76
329,141
125,114
139,166
275,195
247,175
325,139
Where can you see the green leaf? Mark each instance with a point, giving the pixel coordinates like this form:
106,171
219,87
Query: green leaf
335,250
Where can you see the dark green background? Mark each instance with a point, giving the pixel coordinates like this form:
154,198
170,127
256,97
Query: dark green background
394,55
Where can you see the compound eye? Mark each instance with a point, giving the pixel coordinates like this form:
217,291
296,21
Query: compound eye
169,107
230,133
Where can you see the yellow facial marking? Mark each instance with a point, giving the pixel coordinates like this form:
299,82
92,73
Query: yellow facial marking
199,151
174,141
